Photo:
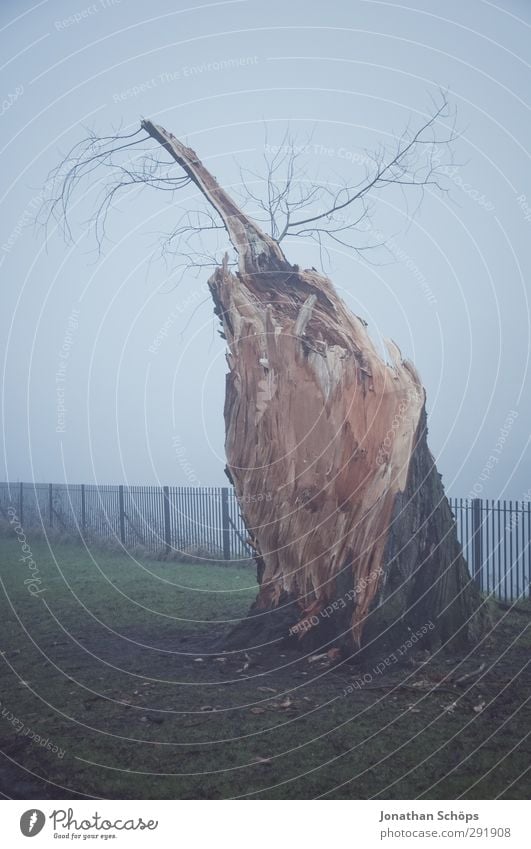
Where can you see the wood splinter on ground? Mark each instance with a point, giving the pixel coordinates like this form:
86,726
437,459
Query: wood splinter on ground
355,542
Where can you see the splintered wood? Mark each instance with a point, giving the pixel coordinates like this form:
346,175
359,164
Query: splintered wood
318,423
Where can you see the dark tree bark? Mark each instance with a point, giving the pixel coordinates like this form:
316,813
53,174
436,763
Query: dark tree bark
326,446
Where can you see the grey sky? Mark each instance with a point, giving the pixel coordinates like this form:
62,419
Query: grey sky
78,329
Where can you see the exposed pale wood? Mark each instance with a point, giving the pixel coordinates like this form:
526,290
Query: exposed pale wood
316,419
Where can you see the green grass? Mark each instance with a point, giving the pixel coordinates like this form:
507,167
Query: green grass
117,663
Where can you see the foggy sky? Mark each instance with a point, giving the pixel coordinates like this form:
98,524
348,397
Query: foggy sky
112,372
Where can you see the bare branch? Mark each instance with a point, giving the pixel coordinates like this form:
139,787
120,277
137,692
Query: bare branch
286,199
127,159
341,214
403,168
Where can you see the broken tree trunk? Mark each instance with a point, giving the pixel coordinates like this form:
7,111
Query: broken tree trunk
326,446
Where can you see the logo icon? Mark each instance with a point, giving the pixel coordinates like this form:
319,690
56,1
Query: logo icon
31,822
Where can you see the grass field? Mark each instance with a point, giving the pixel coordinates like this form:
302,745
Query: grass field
118,665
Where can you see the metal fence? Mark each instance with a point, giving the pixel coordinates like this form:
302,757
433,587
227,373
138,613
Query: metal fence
158,518
495,535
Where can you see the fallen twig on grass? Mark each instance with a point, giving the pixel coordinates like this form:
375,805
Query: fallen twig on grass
470,675
395,686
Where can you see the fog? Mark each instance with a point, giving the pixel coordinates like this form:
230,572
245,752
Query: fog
113,370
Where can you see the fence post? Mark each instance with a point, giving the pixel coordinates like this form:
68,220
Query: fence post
83,514
122,513
167,526
225,521
477,541
50,503
21,503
